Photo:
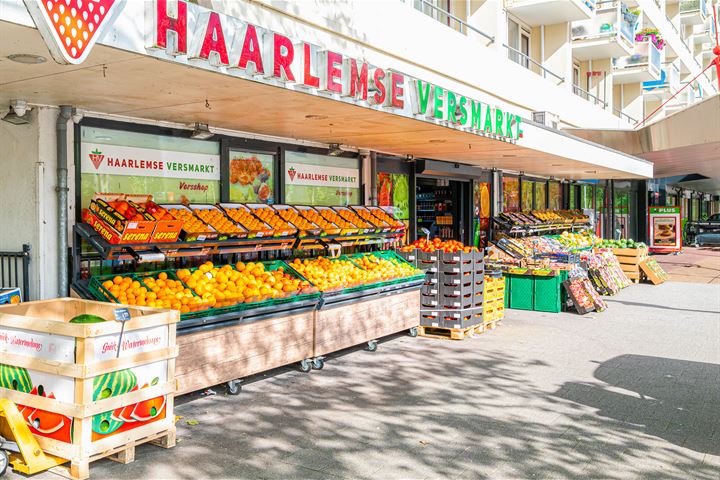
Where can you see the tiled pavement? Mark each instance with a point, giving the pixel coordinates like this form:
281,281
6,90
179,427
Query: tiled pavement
633,392
695,265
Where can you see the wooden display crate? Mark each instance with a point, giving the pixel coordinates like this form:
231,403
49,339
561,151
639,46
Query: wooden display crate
344,326
81,402
215,356
630,259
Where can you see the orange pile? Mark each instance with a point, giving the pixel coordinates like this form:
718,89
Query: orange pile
246,282
290,215
353,218
218,221
333,217
383,215
246,219
314,217
384,269
161,292
370,218
191,223
269,216
328,274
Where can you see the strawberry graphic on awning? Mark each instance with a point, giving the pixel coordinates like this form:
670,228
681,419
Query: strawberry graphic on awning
291,173
70,28
96,157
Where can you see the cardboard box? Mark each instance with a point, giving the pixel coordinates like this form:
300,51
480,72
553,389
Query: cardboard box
132,233
10,296
121,230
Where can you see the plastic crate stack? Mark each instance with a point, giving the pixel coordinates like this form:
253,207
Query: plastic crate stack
453,294
494,307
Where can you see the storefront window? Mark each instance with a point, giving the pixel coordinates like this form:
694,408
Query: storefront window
527,195
624,210
312,179
670,200
511,195
252,177
554,196
172,169
540,199
393,190
586,196
695,210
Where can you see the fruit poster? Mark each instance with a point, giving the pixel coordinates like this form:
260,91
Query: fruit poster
511,194
393,190
312,179
665,233
174,170
252,177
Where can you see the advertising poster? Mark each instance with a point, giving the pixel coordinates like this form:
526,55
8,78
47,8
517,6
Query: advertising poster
173,170
394,191
321,180
252,177
664,225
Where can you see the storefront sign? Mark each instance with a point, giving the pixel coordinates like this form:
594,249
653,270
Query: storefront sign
320,176
664,229
191,34
148,162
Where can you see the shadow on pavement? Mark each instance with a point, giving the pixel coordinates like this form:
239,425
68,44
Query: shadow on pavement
676,400
660,307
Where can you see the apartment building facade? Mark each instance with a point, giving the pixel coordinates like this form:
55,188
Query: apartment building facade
472,101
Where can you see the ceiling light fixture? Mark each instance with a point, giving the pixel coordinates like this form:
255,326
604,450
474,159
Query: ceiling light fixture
16,113
334,150
201,132
27,58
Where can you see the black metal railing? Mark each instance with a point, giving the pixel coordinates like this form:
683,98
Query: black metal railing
447,18
14,270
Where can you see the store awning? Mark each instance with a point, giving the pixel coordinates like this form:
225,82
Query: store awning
129,84
684,143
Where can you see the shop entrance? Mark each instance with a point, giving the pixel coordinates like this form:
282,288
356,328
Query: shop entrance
442,208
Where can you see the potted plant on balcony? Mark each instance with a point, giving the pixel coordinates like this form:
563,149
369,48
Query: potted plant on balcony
651,34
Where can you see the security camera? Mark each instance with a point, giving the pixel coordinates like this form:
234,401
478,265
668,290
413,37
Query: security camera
20,107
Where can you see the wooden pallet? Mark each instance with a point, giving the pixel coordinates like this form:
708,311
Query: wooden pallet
80,470
451,333
491,324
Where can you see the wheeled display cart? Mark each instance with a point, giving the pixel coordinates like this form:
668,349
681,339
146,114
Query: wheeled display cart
224,347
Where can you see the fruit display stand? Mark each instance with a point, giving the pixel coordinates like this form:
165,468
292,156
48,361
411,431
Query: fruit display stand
630,259
81,399
226,344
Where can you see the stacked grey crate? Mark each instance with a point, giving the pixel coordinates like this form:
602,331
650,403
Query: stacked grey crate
452,296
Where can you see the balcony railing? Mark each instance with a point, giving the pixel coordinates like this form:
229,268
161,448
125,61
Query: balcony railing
646,54
447,18
624,116
692,6
527,62
589,96
610,18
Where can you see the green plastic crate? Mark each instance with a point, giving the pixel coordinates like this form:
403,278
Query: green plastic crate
521,292
547,294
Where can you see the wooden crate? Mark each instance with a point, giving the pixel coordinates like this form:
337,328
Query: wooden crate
348,325
629,254
215,356
80,401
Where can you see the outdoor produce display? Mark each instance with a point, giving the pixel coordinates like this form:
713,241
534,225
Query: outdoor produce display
425,245
623,243
540,221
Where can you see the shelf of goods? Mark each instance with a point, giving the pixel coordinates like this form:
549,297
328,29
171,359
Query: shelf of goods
264,302
80,399
540,221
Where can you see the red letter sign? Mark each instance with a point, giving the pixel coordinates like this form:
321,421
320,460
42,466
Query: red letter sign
214,40
379,81
308,78
355,84
332,72
283,54
397,81
251,52
178,25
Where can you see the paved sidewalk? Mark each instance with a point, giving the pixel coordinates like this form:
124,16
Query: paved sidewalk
632,392
694,265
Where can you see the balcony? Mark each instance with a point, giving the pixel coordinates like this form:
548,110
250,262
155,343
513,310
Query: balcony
693,12
668,84
642,66
611,33
550,12
705,32
532,65
682,100
447,18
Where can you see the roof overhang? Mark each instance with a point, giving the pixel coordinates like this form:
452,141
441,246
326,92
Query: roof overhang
124,78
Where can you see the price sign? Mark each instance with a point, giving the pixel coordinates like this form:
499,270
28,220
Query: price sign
122,314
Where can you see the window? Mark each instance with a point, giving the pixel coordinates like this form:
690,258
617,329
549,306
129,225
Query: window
525,48
527,195
576,78
172,169
540,199
252,177
554,196
312,179
511,195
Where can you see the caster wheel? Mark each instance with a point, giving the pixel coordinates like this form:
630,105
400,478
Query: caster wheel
413,332
318,363
234,387
305,365
372,345
4,462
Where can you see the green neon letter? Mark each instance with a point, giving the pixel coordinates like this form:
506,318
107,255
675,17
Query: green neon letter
488,119
451,104
437,102
498,121
423,95
463,110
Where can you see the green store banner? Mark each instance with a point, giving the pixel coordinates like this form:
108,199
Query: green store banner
308,184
